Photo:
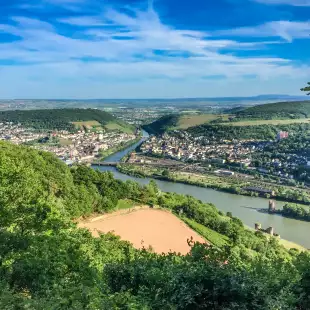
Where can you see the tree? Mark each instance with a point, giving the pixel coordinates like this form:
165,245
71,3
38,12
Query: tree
166,173
307,89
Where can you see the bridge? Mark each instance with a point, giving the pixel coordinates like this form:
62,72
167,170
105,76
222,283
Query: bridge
156,164
105,164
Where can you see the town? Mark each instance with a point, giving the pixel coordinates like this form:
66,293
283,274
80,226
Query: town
247,155
71,147
186,148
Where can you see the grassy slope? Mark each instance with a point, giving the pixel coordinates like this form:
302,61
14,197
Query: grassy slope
175,122
187,121
268,122
214,237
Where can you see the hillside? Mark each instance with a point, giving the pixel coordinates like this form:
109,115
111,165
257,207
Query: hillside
282,110
64,119
163,124
275,115
47,262
183,121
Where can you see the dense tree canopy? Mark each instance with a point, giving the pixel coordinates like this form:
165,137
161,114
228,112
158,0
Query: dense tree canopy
278,110
163,124
259,132
60,119
46,262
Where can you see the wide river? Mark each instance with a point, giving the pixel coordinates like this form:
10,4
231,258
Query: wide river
243,207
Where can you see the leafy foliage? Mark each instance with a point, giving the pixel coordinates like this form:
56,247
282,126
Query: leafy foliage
46,262
296,211
163,124
307,88
260,132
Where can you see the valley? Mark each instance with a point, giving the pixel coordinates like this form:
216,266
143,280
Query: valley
120,224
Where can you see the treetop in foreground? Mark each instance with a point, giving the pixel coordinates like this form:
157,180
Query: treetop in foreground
307,88
49,263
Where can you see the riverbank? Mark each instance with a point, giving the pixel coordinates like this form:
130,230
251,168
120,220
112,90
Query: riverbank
116,221
118,148
291,210
244,207
224,184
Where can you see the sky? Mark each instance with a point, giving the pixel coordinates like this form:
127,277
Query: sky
153,49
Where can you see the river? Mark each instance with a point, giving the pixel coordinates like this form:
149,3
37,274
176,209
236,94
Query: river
243,207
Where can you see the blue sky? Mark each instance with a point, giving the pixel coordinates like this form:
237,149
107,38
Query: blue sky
153,49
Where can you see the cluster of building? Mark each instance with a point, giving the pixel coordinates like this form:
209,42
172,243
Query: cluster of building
85,146
189,148
246,153
284,165
139,115
81,146
17,134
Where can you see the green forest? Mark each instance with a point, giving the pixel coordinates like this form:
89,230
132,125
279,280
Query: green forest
271,111
163,124
46,262
258,132
57,119
278,110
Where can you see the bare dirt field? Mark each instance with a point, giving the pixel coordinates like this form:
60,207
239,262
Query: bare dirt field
146,227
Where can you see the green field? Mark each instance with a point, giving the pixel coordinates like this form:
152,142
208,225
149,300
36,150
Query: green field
124,204
88,125
212,236
268,122
95,125
115,126
187,121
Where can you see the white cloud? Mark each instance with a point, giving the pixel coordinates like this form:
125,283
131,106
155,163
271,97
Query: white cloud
85,21
286,2
137,45
287,30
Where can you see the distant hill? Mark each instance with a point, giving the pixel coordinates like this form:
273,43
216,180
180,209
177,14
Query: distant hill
280,113
184,121
163,124
64,119
293,109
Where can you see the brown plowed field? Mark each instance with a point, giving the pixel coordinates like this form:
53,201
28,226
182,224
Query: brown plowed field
146,227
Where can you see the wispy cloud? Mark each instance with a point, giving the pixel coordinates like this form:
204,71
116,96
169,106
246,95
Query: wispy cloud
139,45
42,5
286,30
84,21
286,2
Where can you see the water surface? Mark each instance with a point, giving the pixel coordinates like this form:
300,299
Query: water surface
243,207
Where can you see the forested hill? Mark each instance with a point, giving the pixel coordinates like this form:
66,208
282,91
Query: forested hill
163,124
46,262
273,114
295,109
61,119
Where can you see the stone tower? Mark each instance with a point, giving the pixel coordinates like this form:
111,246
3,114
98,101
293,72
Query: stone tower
272,206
